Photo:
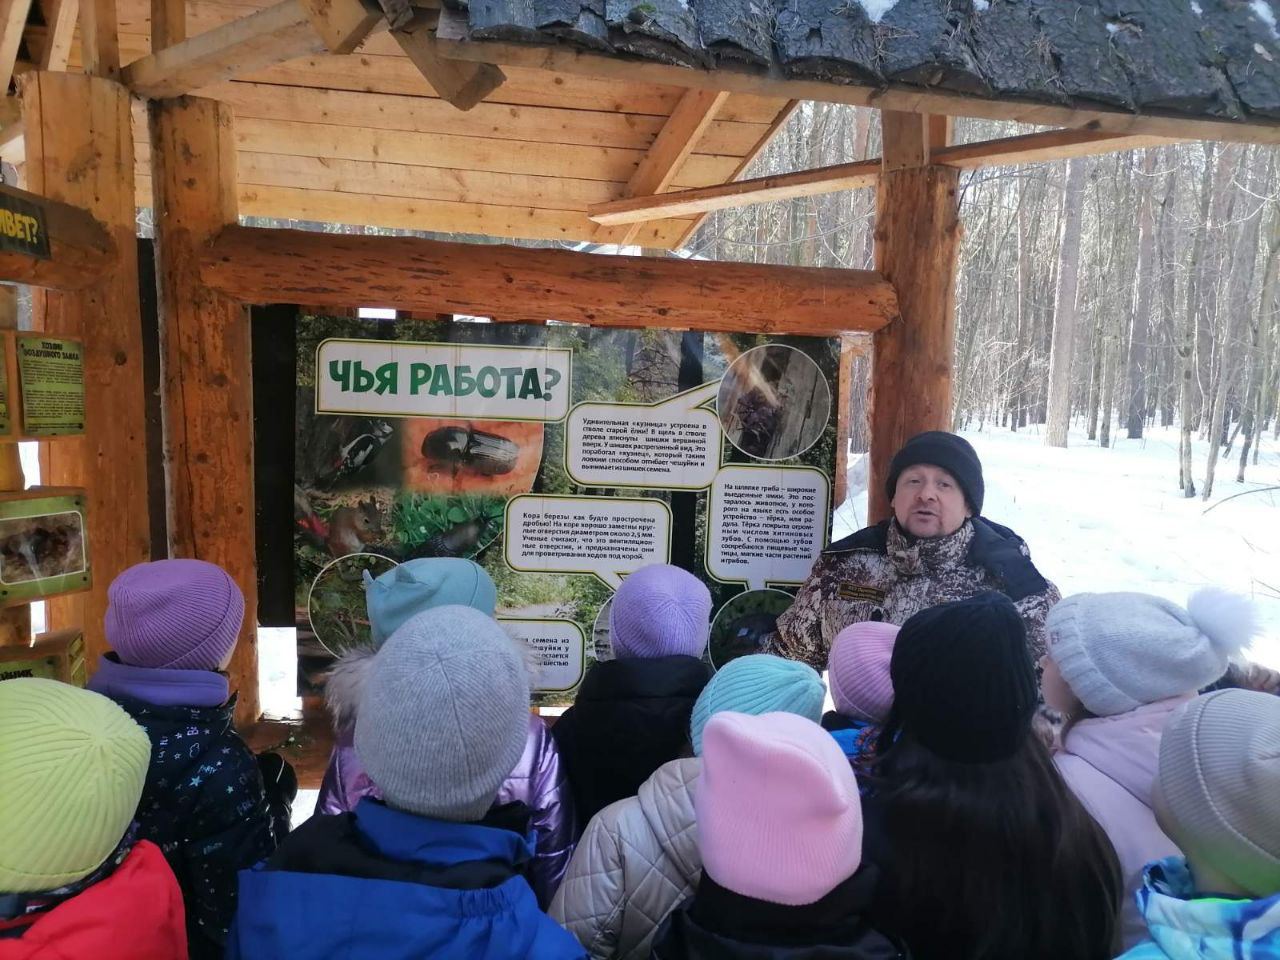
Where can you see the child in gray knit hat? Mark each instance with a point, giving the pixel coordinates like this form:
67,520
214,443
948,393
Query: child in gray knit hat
1216,796
1118,666
437,870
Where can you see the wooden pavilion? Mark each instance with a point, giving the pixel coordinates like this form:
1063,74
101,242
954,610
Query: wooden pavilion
614,121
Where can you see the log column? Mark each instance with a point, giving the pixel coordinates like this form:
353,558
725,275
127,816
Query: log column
208,401
917,238
80,151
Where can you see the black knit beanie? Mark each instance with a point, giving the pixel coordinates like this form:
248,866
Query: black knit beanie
952,453
963,682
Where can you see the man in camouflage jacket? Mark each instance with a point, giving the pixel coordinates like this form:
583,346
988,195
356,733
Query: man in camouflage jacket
936,548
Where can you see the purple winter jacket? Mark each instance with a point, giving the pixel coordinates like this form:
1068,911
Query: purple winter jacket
538,781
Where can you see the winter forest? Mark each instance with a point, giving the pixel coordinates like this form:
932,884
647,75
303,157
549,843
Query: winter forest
1118,291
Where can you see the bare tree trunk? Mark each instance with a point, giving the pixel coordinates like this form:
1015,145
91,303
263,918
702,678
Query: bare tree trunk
1187,395
1246,248
1258,320
1062,351
1095,383
1140,327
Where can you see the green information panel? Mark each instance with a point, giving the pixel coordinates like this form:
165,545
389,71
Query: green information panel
22,228
42,548
51,375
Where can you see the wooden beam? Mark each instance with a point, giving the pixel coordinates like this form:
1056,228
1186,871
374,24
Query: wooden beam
780,120
1009,151
906,140
460,83
269,36
782,186
265,266
168,23
343,24
80,152
1041,147
208,402
917,236
80,249
904,97
100,39
671,148
60,18
13,21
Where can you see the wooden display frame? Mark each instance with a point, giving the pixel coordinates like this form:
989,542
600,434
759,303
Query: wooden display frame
54,656
76,579
13,413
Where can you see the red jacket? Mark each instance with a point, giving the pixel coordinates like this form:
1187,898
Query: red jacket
133,914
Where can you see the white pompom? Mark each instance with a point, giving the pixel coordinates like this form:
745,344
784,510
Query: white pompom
1228,619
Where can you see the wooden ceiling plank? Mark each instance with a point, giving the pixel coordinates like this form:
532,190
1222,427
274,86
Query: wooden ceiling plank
429,115
671,148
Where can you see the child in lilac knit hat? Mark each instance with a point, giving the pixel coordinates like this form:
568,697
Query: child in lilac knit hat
632,713
858,673
172,626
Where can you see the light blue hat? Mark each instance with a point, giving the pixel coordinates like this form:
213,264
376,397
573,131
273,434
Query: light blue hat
420,585
757,684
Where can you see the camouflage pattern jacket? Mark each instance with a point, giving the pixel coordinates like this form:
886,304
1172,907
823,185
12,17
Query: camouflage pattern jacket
880,573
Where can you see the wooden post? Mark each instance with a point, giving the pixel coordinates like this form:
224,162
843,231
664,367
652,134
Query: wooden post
917,244
208,401
15,622
80,151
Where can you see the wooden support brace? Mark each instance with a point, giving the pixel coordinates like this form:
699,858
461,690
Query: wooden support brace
288,29
671,148
461,84
265,266
81,250
1009,151
100,39
208,404
60,18
13,21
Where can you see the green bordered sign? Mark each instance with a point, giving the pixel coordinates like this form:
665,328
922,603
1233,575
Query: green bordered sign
51,379
22,228
43,547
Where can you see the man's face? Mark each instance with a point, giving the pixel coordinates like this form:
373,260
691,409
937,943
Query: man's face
928,502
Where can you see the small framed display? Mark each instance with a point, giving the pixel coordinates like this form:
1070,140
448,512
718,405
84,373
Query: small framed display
41,386
44,548
53,656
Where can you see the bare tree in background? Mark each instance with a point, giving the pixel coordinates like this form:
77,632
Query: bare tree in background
1064,314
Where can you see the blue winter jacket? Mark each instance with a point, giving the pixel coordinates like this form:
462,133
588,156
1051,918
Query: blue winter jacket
381,884
1184,926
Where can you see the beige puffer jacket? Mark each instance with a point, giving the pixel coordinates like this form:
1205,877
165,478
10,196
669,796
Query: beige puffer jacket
637,861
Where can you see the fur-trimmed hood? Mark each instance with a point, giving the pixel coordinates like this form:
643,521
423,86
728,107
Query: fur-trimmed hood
344,686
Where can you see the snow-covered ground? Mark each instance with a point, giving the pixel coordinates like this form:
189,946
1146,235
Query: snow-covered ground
1101,519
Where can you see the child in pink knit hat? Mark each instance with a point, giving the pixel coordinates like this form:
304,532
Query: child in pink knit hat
858,674
172,626
780,832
